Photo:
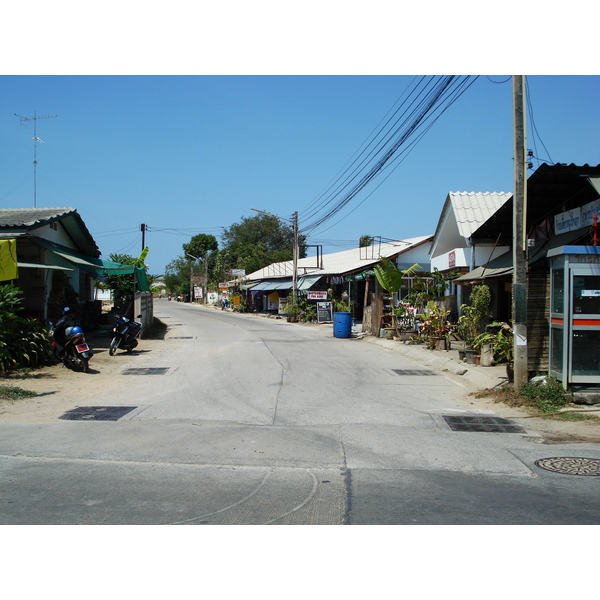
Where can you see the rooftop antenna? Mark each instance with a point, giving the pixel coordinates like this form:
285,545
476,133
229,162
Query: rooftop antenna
35,140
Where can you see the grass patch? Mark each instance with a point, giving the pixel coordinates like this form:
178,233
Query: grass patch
15,393
537,400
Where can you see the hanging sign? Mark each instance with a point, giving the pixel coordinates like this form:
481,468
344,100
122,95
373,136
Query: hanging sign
317,295
324,312
567,221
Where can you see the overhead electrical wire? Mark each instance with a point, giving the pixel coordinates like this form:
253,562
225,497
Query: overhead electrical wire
533,125
398,159
425,97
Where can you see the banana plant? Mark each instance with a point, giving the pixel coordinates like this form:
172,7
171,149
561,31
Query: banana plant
390,277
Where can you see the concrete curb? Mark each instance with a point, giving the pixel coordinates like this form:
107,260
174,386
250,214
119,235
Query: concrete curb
447,361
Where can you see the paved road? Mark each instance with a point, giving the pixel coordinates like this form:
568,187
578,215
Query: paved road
247,420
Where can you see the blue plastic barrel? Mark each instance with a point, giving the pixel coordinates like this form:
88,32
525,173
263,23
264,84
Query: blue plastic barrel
342,324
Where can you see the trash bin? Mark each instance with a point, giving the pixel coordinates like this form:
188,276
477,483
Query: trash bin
342,324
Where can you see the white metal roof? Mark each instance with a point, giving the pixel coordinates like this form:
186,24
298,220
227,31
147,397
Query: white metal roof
473,209
340,263
462,215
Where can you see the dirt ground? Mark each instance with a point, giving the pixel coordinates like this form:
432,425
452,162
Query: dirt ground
59,389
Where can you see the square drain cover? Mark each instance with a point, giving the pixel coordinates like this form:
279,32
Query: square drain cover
414,372
146,371
483,424
97,413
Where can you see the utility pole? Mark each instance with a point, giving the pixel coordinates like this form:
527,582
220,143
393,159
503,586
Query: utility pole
192,276
205,287
35,139
519,296
296,253
143,230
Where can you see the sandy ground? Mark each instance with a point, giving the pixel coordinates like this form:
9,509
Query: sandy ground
60,389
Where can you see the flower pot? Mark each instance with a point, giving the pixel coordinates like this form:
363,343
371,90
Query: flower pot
510,371
469,356
441,344
477,358
487,355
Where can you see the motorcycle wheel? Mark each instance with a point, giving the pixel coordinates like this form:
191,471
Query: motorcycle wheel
133,345
113,346
84,364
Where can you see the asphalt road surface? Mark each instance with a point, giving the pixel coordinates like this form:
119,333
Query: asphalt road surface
240,419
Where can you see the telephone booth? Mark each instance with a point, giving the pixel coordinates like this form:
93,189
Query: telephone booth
575,315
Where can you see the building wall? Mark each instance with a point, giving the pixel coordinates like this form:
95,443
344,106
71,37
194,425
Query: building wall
538,319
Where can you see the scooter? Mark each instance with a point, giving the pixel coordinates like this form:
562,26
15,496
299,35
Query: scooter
125,334
69,345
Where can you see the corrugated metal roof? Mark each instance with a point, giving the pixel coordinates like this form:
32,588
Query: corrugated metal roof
17,222
340,263
31,217
473,209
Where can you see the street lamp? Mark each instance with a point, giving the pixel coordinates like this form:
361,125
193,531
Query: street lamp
294,222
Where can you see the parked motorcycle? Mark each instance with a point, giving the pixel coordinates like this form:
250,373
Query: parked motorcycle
69,345
125,334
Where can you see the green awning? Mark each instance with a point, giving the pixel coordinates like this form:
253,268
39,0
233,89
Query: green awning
88,263
307,282
26,265
97,266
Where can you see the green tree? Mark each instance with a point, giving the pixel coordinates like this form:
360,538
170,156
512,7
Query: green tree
256,242
177,276
200,245
365,241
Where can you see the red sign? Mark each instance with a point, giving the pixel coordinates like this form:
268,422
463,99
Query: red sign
317,295
451,259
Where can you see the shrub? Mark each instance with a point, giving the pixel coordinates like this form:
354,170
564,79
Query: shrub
23,342
548,397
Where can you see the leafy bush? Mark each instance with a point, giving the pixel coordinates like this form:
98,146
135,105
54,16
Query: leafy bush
548,397
23,342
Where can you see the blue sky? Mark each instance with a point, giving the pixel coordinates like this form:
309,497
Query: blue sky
194,153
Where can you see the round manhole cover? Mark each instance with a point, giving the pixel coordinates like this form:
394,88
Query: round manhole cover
570,465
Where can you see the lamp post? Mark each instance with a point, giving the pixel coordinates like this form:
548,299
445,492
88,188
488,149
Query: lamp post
296,252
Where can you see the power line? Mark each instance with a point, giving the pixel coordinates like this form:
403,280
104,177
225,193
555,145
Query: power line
426,98
533,125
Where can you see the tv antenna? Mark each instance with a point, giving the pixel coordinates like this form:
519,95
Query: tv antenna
36,139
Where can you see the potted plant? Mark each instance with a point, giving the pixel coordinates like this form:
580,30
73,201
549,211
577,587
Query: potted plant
501,339
472,321
435,325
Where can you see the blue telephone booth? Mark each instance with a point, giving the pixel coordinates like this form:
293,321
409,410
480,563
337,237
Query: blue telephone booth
575,315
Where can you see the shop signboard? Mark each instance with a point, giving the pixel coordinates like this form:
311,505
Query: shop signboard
324,312
317,295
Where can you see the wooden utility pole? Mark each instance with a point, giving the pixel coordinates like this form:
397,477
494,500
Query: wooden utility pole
519,295
296,253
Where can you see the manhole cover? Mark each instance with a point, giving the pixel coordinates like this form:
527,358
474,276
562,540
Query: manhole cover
414,372
570,465
483,424
146,371
181,338
97,413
